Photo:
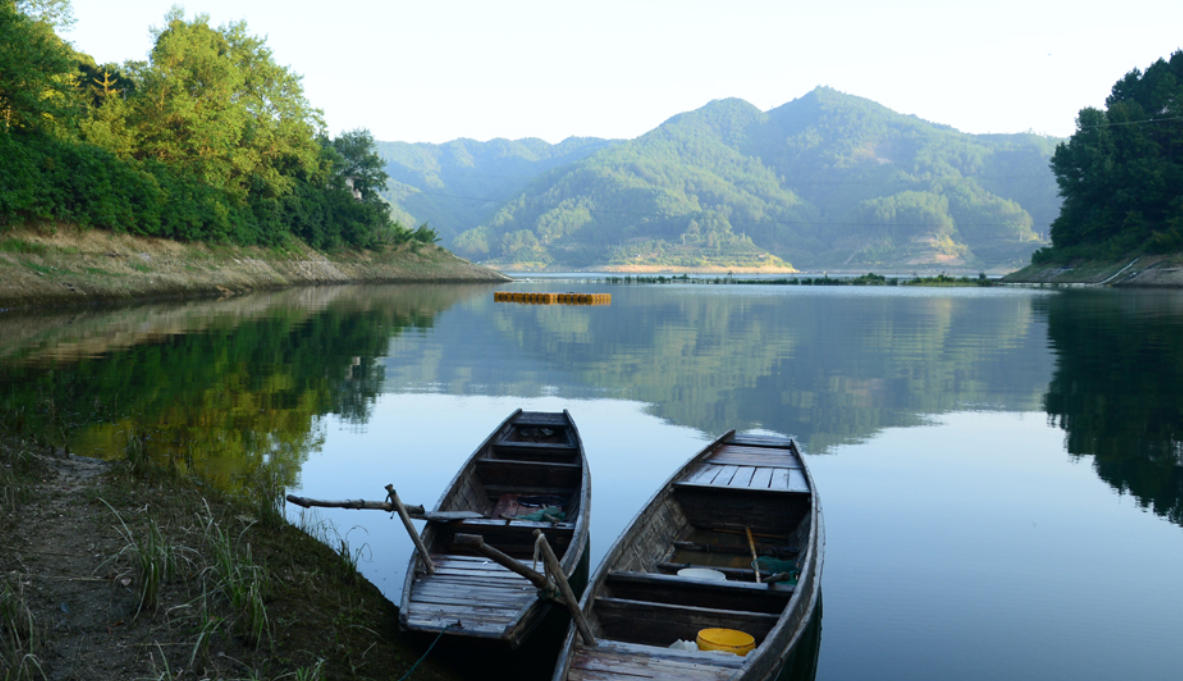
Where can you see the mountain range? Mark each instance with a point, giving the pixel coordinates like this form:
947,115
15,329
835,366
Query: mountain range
828,180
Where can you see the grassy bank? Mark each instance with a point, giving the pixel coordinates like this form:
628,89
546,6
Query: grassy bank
116,571
67,265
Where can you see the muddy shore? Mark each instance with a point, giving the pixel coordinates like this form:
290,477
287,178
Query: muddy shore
70,266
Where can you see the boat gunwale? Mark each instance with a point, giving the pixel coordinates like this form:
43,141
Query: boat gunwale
523,621
759,664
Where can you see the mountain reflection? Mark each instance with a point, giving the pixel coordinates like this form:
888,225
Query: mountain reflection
232,391
1117,391
826,367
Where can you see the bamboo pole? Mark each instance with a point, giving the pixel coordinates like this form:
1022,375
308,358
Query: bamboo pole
752,546
556,572
402,513
477,543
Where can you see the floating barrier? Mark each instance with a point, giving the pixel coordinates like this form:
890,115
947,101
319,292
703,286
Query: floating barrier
552,298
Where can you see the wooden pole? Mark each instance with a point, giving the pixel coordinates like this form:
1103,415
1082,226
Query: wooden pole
359,504
402,513
556,572
752,546
477,543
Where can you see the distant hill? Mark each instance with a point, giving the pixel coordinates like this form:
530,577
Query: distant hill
825,181
458,185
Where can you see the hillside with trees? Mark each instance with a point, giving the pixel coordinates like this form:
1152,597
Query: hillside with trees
462,182
825,181
1121,173
209,139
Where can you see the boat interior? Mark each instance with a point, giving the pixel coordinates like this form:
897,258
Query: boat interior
529,477
644,601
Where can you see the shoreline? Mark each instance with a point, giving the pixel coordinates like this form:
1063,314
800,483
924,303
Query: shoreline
1148,271
67,266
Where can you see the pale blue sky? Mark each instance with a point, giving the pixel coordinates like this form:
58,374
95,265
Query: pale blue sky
432,71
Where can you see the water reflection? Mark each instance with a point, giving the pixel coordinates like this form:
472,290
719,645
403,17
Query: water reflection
829,367
1117,391
233,391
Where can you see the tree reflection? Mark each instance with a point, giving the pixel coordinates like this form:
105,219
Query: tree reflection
235,399
1118,389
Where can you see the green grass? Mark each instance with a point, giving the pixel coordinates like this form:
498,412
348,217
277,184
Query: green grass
14,245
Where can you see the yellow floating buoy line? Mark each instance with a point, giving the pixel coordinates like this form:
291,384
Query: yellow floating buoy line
552,298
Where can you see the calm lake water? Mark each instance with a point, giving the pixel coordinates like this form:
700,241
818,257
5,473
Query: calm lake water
1001,470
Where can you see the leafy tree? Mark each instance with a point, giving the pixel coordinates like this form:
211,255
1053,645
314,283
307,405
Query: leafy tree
36,73
57,14
360,164
1121,173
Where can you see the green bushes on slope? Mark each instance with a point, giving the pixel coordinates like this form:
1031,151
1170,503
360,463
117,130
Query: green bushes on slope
210,140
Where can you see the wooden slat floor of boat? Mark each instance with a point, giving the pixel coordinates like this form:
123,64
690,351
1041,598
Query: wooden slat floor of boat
779,478
484,596
615,660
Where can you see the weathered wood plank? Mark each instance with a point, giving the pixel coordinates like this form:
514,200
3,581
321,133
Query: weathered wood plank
785,461
797,482
616,665
470,625
762,478
743,477
666,653
752,440
702,473
780,480
724,477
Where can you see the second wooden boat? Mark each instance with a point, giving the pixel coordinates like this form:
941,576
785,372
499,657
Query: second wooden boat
529,474
741,495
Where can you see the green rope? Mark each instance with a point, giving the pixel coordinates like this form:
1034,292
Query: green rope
410,671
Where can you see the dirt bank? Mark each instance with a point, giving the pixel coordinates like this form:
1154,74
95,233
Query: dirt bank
106,573
1159,271
66,265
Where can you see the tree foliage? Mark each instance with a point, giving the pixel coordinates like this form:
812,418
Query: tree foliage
1121,173
210,139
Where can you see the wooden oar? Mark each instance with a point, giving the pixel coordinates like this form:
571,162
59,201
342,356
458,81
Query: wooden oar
402,513
416,512
556,571
752,546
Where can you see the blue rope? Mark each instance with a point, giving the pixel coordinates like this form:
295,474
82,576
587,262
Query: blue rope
410,671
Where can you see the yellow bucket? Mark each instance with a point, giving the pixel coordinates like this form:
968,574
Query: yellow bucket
728,640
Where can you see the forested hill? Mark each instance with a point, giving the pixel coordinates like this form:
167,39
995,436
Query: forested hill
827,180
450,185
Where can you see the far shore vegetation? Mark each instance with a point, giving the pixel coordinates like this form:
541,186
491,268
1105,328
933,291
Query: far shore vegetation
869,279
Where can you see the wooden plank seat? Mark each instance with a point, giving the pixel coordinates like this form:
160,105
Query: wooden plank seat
515,537
621,660
528,474
675,590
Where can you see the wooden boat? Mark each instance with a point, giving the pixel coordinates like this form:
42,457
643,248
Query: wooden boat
637,605
531,462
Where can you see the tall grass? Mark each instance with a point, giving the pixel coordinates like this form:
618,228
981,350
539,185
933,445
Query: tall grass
155,559
20,637
235,576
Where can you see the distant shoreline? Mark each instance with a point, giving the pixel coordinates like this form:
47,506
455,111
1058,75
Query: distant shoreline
65,265
1151,271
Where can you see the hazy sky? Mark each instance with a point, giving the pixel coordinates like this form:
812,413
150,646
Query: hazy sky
435,70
